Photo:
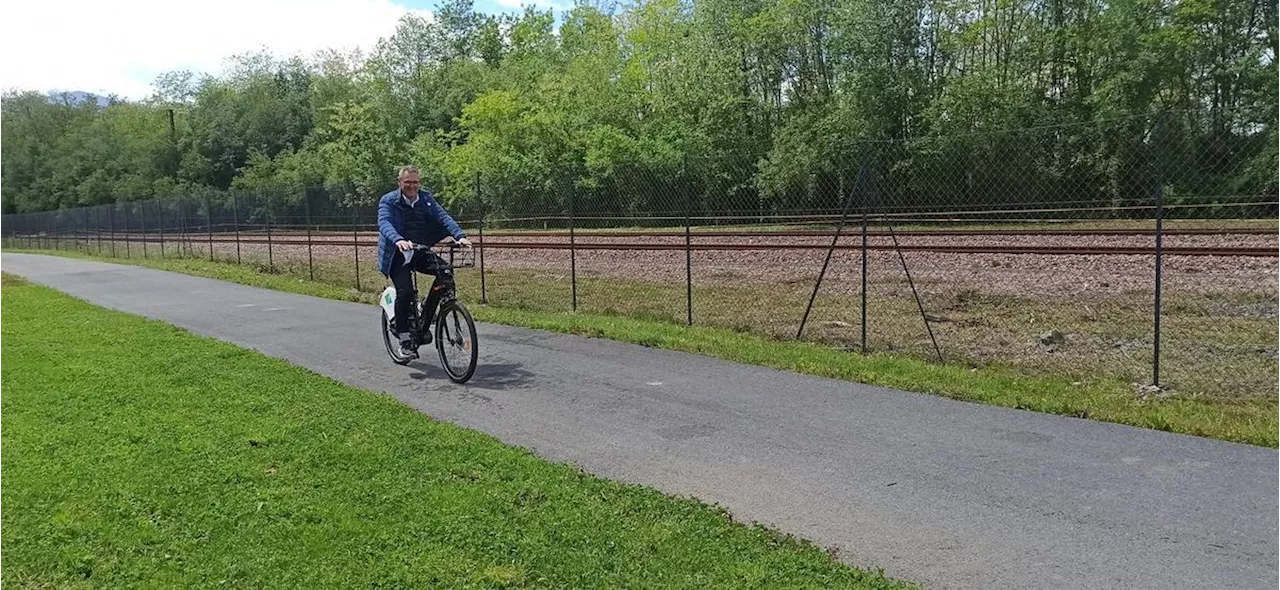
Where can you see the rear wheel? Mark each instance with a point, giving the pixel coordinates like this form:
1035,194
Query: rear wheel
456,341
392,341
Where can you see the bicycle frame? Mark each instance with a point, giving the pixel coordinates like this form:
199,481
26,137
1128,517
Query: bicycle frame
443,287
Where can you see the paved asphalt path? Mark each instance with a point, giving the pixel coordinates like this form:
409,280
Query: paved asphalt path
945,493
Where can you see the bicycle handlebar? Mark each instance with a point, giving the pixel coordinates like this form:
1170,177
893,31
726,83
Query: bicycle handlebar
464,254
450,245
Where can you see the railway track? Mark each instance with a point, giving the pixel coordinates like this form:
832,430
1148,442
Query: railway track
344,240
900,233
849,231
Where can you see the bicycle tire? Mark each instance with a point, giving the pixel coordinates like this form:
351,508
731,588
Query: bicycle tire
393,346
447,315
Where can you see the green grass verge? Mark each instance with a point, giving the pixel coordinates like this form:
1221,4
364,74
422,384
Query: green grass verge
1253,421
147,456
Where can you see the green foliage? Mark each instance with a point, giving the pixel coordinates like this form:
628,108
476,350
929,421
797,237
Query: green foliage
716,105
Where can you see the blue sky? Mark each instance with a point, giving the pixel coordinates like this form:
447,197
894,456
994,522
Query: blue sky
120,47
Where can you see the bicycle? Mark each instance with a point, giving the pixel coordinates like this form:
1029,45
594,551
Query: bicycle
455,331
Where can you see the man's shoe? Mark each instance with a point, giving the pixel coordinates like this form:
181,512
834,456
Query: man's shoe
407,349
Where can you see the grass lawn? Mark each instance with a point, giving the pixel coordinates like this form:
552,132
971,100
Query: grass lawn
1252,419
143,455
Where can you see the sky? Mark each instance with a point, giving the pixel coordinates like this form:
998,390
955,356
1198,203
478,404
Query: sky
120,47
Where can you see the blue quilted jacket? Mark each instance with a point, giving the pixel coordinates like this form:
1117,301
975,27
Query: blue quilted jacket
392,214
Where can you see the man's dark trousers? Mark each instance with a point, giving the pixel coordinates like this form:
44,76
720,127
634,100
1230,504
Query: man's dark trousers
424,262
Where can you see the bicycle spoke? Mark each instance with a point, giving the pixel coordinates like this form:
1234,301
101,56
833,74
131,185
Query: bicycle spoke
457,326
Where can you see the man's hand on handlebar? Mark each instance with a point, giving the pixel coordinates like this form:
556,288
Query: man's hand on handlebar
406,245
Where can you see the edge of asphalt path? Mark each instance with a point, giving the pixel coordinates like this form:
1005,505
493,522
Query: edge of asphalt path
946,493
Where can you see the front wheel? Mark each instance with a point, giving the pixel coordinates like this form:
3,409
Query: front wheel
456,341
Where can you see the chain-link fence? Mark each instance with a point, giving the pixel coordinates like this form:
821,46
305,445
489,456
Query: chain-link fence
1142,249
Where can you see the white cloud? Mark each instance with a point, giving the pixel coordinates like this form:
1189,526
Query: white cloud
120,47
517,6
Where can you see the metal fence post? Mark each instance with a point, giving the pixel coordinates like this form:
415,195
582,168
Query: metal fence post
142,210
186,235
914,293
1159,174
306,207
573,252
688,262
160,223
484,295
127,253
862,170
97,223
235,223
1155,357
111,219
864,278
355,244
271,265
208,223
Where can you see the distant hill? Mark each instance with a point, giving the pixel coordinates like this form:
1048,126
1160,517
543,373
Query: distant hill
77,97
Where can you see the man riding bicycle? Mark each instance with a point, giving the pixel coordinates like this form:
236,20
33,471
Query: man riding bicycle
409,216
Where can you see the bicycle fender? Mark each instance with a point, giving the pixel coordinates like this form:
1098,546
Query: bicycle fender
388,301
